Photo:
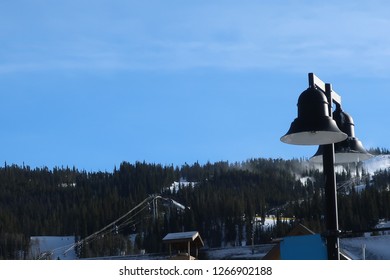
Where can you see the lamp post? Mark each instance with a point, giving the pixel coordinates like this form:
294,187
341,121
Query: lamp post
315,126
332,224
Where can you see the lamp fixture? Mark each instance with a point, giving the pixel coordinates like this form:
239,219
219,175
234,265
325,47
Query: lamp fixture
314,125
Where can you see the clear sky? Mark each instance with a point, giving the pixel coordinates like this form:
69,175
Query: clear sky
93,83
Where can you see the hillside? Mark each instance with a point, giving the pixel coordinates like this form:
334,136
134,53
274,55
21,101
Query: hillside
226,202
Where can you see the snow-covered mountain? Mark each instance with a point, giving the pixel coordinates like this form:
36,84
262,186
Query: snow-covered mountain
369,247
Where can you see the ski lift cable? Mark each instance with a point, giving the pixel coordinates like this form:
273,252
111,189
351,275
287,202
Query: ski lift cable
107,229
351,182
97,233
131,219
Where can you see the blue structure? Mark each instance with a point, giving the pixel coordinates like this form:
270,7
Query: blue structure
303,247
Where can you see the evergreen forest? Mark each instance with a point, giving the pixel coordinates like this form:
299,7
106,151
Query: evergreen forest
225,202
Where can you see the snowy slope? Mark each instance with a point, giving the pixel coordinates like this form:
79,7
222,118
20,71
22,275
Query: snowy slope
377,163
370,247
52,247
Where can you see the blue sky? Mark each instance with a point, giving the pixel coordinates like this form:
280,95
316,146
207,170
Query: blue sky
93,83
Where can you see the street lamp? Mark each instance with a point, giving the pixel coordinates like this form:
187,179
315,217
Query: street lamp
347,151
315,126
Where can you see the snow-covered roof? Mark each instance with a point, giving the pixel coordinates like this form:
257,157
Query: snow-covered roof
188,236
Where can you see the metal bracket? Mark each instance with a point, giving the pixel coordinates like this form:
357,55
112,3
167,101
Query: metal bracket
326,88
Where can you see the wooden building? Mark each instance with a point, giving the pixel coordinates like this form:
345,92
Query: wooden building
185,245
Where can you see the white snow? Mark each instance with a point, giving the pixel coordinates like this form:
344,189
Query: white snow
376,247
52,247
383,224
305,179
181,184
190,235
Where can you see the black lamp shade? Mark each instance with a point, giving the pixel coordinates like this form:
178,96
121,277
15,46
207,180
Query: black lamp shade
313,126
351,149
347,151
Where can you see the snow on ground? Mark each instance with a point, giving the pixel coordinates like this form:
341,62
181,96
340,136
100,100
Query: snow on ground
376,247
238,252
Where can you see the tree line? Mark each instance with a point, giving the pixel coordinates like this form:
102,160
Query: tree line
224,203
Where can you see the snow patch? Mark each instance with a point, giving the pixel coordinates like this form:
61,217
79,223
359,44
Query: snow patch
305,179
181,184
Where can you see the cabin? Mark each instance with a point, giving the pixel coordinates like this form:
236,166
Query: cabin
185,245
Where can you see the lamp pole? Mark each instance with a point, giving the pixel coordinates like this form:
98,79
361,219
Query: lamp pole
315,126
332,225
328,159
